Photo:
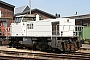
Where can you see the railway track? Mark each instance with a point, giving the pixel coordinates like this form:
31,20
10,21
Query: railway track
19,58
43,56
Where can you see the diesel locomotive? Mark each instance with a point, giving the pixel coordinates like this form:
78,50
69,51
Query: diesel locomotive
30,31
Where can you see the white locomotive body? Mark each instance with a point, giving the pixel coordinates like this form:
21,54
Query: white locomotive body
44,34
44,28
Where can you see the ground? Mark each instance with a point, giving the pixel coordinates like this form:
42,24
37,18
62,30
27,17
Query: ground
85,48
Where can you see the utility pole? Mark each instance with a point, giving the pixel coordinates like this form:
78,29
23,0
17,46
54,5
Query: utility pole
30,6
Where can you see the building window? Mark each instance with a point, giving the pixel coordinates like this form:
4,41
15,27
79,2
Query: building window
30,26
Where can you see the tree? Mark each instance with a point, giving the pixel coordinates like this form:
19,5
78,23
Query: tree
57,15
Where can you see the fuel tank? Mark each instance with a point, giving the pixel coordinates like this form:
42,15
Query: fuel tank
27,42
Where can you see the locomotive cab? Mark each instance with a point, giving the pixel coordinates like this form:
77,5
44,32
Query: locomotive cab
24,18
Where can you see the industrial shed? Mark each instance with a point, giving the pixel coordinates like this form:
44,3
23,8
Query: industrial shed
81,19
26,10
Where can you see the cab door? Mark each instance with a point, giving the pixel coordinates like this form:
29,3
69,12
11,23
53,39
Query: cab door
55,28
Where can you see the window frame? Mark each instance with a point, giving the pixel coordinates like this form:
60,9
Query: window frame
30,26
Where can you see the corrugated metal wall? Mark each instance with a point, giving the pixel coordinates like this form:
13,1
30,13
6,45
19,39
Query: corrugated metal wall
86,32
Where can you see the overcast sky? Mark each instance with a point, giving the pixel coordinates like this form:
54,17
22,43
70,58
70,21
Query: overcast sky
63,7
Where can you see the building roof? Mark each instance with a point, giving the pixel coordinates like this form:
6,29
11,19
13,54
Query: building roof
21,9
1,2
33,10
85,16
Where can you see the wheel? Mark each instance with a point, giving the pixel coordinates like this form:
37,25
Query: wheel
34,46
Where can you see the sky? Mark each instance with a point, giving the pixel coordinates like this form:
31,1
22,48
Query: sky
62,7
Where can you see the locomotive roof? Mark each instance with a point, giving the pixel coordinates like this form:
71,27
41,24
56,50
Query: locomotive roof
50,20
54,20
27,15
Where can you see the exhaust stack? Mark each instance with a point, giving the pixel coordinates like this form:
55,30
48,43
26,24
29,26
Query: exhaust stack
37,17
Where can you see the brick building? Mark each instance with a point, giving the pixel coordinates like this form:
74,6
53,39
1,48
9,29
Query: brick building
6,15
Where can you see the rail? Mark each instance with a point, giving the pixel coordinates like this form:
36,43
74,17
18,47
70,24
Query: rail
19,58
48,56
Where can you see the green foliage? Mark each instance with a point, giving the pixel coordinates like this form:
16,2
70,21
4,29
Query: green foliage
57,15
